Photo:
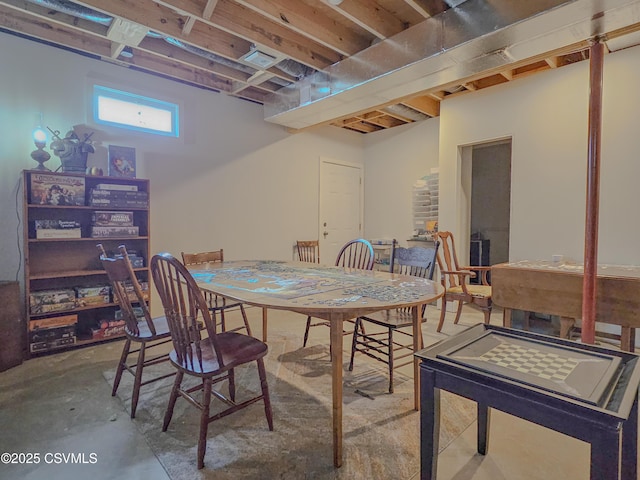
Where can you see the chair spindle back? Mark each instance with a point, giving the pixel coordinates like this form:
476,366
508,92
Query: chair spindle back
183,304
356,253
126,289
308,251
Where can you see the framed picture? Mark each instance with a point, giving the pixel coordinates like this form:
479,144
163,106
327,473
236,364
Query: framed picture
122,161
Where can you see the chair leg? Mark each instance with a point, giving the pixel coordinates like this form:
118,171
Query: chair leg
246,320
138,380
265,393
442,313
172,401
121,365
306,332
354,343
487,316
223,322
390,340
204,421
458,312
232,385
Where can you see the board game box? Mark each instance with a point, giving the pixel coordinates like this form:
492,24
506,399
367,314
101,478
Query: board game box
57,229
53,322
93,295
45,301
49,189
112,219
119,231
47,338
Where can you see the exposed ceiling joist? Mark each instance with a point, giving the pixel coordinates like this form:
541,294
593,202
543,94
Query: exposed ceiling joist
206,42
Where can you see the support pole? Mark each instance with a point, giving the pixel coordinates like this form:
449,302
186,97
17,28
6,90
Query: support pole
589,290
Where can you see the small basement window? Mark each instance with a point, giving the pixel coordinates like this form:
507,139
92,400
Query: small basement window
134,112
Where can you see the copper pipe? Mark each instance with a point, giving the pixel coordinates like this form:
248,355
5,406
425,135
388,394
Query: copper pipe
589,291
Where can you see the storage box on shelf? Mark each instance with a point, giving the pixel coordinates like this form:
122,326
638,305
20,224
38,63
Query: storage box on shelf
64,279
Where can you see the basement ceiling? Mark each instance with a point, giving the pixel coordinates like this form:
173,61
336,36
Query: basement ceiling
270,51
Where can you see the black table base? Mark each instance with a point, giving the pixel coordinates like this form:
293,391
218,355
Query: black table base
594,400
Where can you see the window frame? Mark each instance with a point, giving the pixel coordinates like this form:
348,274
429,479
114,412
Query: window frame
135,99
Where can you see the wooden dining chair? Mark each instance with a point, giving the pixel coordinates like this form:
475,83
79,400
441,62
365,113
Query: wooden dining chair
455,280
140,330
356,253
217,303
308,251
212,358
381,345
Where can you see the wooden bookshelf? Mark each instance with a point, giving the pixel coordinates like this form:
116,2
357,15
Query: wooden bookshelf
68,263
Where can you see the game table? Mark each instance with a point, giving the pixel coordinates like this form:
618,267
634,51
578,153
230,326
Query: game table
556,289
587,392
332,293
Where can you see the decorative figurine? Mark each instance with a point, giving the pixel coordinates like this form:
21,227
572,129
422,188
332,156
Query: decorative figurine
72,151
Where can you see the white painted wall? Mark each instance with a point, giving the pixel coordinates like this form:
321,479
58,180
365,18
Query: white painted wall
234,182
249,187
394,160
546,115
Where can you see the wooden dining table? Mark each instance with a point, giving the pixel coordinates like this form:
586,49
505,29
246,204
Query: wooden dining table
334,294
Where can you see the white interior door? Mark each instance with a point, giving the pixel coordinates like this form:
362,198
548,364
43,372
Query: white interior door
341,206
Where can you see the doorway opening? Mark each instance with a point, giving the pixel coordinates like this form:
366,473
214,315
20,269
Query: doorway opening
486,181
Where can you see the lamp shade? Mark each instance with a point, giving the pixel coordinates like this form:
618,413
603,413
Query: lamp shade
40,136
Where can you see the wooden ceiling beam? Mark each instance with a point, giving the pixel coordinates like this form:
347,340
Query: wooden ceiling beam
424,104
188,25
311,23
160,47
245,24
507,74
208,9
373,18
427,8
553,62
387,121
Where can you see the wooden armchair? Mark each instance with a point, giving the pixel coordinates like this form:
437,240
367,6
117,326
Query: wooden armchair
455,280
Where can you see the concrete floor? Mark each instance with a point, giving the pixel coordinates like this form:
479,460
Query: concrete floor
56,404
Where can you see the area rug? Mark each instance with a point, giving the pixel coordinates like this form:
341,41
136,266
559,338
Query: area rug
381,430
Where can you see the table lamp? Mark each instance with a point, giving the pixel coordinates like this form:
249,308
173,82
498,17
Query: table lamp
39,155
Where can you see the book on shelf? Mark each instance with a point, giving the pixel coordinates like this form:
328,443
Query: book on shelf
112,219
52,189
117,186
117,231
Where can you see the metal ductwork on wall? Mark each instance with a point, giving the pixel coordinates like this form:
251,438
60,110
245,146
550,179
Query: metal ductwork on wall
476,36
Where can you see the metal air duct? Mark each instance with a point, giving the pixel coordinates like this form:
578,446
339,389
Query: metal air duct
476,36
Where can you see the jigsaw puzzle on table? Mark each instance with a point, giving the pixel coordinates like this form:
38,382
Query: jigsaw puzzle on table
582,375
278,278
291,282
